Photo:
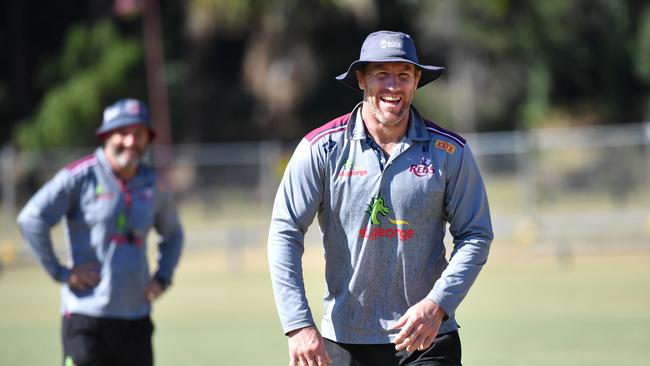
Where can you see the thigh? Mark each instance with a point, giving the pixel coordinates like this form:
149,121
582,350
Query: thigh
445,351
135,348
339,354
344,354
84,341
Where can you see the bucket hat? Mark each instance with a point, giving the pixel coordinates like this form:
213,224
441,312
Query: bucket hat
387,46
123,113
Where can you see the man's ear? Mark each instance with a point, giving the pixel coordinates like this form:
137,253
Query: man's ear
360,79
418,74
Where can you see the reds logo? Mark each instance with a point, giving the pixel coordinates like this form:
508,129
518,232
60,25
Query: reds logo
423,169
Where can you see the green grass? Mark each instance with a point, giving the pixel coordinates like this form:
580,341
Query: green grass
594,311
525,309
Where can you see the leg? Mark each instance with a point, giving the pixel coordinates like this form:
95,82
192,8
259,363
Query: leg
83,341
445,351
339,354
135,348
344,354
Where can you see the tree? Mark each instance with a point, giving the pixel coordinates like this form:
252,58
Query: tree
95,68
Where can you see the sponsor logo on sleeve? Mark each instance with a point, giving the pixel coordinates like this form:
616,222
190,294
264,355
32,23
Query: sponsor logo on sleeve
445,146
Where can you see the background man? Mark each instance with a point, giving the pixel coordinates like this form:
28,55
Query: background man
384,183
110,200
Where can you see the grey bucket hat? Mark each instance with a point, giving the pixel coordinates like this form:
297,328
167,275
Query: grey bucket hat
387,46
123,113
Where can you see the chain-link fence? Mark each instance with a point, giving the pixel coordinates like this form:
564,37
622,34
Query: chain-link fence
564,189
567,189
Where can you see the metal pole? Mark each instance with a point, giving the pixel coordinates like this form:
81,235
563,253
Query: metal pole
527,226
7,165
526,167
269,159
647,174
647,158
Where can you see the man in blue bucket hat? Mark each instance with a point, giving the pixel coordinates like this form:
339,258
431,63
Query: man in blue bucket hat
384,183
110,200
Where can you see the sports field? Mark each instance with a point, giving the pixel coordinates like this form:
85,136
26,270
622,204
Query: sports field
526,309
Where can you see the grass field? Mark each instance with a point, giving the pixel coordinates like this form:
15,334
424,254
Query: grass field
526,309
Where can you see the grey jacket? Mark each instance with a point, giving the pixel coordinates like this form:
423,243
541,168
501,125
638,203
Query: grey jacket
106,221
382,222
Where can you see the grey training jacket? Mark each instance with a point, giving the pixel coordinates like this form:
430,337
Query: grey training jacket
382,223
106,221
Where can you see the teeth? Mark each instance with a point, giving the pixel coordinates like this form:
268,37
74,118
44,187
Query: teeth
391,98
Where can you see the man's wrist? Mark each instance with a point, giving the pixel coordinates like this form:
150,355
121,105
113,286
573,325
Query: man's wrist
62,274
439,311
162,281
293,332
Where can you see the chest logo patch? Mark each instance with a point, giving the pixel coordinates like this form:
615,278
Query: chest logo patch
423,169
101,192
376,208
349,170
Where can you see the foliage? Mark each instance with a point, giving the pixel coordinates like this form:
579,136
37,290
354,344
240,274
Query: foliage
642,58
92,68
568,57
267,67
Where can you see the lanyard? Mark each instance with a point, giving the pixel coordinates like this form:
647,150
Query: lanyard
128,235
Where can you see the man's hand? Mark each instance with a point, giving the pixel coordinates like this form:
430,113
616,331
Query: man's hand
419,326
307,348
84,276
154,290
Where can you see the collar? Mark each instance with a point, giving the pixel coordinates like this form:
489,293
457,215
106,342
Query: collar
417,130
103,160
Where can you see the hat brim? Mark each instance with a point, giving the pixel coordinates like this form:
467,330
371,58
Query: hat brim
104,130
429,73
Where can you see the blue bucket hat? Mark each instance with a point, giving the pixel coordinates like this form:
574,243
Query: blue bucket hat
386,46
123,113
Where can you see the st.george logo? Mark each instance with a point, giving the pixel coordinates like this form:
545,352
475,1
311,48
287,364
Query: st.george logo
376,208
348,170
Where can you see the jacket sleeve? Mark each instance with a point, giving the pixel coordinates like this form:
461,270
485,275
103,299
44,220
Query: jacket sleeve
40,214
297,202
170,231
468,214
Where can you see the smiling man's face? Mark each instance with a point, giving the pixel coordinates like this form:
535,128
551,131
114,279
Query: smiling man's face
388,89
125,147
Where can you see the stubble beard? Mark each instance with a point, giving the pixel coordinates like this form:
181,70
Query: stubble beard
123,160
382,119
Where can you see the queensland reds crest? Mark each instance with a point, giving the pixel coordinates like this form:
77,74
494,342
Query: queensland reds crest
424,168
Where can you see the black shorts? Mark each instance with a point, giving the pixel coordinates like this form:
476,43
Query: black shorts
95,341
444,351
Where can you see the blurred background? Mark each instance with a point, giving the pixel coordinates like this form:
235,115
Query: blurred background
553,96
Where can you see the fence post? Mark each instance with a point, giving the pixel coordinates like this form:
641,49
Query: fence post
646,143
7,163
270,154
8,197
528,169
527,227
